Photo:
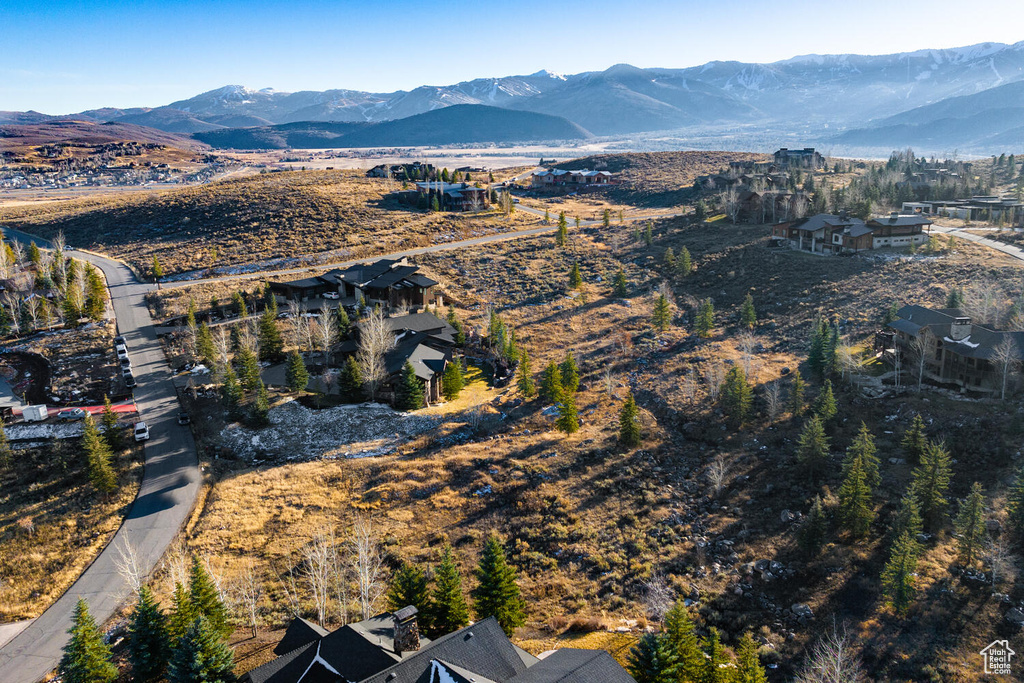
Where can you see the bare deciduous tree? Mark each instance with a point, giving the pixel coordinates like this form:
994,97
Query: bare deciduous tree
249,589
999,560
714,376
773,400
982,303
747,343
177,565
327,336
919,350
609,379
1005,357
718,470
832,660
369,566
658,597
127,564
375,340
316,569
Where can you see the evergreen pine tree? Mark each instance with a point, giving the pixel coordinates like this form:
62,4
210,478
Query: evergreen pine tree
715,659
35,257
295,374
497,594
157,271
748,315
1015,506
931,480
700,211
955,298
350,381
825,407
669,259
260,412
182,614
891,313
914,441
907,520
650,661
409,394
87,658
648,232
449,611
248,368
239,301
629,424
620,288
705,319
98,457
95,294
830,352
569,373
863,447
410,586
111,429
737,396
452,381
345,324
201,656
205,348
562,234
812,447
683,644
6,454
898,575
231,392
568,420
813,530
148,641
796,394
270,342
606,218
970,525
453,320
551,383
205,599
575,278
661,318
525,376
855,510
684,264
748,664
816,354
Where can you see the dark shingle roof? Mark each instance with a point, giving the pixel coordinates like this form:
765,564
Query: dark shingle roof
575,666
300,632
482,648
287,667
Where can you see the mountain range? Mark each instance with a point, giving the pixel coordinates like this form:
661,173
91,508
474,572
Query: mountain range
832,99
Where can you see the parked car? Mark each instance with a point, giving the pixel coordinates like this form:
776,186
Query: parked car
129,380
119,341
126,364
184,418
141,431
332,295
122,351
69,414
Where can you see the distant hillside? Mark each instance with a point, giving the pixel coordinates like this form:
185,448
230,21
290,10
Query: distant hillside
983,120
89,133
170,120
460,124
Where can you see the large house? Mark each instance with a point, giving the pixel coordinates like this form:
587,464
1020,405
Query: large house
455,196
421,339
388,282
413,171
826,233
979,208
957,351
389,649
556,177
799,158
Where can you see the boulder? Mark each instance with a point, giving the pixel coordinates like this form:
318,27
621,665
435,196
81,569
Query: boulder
800,610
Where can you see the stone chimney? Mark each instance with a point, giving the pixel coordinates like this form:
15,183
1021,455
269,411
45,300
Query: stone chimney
960,329
407,630
894,216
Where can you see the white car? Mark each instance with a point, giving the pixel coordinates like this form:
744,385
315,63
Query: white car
141,431
331,295
122,351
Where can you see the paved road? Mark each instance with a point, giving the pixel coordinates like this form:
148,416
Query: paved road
170,484
446,246
962,234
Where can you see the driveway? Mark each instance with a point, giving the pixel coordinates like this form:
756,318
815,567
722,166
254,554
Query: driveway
170,484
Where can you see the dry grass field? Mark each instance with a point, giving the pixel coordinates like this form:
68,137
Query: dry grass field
52,523
273,216
589,523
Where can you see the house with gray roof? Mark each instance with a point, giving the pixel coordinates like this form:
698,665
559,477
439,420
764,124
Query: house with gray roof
827,233
391,283
388,648
949,348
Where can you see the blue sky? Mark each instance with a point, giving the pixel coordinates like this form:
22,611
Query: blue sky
61,57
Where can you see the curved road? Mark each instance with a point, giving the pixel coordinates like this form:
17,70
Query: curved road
170,484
